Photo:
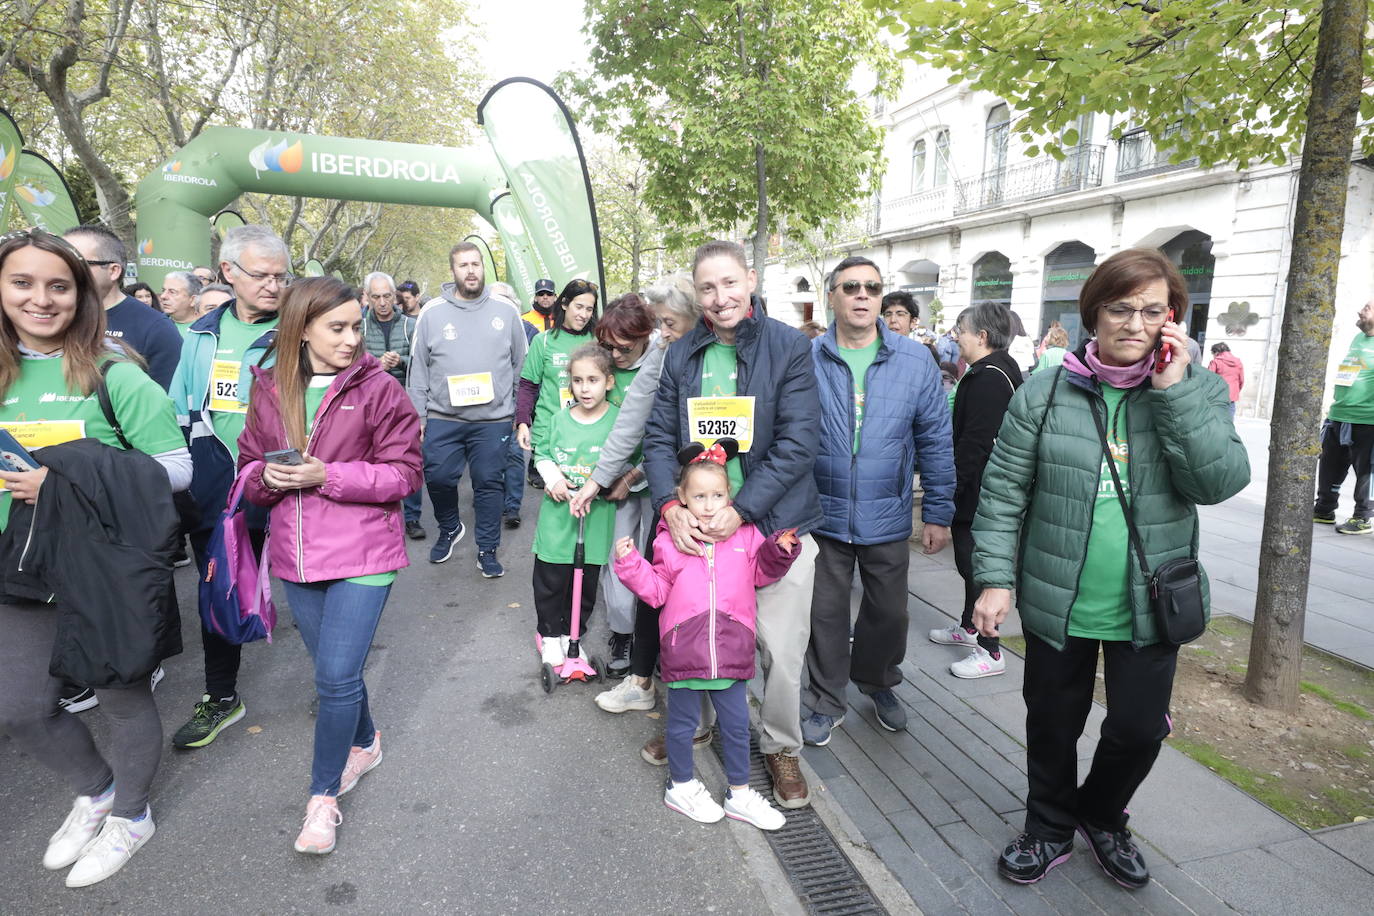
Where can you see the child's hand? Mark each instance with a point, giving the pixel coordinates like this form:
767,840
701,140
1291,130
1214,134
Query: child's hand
558,492
624,547
787,539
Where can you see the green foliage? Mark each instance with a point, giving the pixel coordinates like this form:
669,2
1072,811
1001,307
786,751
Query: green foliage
702,90
1236,75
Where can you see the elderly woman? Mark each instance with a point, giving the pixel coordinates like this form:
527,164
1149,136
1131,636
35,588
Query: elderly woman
1051,525
675,309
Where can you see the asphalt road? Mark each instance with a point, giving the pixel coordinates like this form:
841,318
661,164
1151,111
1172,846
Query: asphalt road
493,797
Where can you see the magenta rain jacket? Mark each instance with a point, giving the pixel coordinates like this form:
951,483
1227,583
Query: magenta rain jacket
368,435
706,628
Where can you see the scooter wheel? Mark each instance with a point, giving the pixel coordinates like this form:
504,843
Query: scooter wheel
547,677
599,666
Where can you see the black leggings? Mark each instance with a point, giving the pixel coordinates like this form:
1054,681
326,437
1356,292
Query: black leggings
644,652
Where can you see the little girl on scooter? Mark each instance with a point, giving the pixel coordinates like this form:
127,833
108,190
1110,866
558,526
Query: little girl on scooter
707,632
565,458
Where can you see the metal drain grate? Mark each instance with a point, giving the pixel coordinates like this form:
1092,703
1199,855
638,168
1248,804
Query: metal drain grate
819,871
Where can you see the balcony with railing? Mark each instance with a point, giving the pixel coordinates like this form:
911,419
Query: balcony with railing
915,209
1137,156
1044,176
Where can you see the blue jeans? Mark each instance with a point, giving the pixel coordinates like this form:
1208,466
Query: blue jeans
515,477
450,446
410,506
337,620
732,718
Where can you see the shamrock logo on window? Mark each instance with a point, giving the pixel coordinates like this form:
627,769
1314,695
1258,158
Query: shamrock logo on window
1237,318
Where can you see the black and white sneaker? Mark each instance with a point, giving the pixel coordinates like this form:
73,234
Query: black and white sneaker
1029,858
443,544
1117,854
619,665
487,563
77,699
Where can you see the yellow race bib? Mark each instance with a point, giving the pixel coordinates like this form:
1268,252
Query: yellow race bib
224,387
709,419
1348,372
471,389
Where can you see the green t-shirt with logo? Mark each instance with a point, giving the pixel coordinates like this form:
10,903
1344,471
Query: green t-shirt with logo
718,371
859,359
1102,609
314,399
1354,401
546,364
235,339
575,447
40,408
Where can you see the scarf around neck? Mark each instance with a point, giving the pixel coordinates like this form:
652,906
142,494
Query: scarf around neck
1116,376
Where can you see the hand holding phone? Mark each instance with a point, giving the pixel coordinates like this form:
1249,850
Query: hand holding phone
291,457
1164,353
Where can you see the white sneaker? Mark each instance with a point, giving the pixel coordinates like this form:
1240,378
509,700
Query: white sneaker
552,652
692,799
627,695
119,839
954,636
77,832
749,806
979,663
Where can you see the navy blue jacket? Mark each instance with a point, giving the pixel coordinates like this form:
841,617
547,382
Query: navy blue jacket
774,367
866,496
152,334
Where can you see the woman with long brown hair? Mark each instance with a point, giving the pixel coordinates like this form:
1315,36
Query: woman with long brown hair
52,350
335,445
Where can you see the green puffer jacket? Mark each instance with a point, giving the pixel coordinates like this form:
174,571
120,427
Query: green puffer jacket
1041,485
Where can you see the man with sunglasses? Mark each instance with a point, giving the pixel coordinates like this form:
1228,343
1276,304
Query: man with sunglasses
540,314
883,409
152,334
210,392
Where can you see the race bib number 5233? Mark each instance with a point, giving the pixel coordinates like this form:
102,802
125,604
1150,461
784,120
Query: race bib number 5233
709,419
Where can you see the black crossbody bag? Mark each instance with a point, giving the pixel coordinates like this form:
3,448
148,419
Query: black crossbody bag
1176,585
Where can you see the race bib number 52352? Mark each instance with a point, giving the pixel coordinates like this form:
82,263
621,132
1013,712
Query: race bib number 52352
709,419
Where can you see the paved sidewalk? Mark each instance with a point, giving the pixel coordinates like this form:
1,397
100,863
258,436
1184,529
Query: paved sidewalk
938,801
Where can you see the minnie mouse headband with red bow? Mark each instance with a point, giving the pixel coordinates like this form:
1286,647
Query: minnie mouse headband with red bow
719,453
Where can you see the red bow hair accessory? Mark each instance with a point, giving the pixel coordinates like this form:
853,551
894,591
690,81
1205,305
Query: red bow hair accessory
715,453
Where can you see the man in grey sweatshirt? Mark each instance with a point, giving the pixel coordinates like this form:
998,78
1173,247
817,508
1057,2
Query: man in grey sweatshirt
464,370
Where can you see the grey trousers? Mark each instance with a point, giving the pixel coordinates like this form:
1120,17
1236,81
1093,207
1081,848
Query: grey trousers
873,661
784,628
60,740
634,519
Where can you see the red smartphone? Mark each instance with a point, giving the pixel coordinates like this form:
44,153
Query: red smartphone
1163,351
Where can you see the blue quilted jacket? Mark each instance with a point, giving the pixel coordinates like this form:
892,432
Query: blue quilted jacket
866,497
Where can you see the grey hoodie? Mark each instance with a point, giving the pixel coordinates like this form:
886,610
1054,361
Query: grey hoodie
458,337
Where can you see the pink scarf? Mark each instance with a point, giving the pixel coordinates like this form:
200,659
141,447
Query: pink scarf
1116,376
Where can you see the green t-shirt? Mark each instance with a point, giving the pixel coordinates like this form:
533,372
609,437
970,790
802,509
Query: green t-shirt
1102,609
235,339
546,364
704,683
859,359
718,370
314,399
40,408
1354,401
185,329
575,447
1053,356
623,379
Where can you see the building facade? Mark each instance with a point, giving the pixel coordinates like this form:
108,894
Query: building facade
965,216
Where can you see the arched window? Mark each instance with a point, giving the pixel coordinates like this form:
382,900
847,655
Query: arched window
995,139
918,166
941,169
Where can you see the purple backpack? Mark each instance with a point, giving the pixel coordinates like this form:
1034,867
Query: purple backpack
236,593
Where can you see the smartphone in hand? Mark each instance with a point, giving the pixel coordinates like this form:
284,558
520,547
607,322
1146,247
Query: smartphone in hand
1163,351
287,456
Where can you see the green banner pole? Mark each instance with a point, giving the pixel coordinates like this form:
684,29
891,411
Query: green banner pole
11,144
534,138
43,196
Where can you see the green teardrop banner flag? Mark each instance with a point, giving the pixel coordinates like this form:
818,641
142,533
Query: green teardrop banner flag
11,143
42,195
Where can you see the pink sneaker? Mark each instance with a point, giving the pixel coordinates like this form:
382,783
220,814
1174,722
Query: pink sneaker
360,762
317,833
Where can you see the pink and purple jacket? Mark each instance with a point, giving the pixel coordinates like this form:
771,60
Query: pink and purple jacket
706,628
368,435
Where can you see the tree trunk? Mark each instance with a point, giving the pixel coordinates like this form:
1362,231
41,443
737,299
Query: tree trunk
1286,542
761,222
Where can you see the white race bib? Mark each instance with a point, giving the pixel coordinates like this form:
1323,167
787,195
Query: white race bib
471,389
709,419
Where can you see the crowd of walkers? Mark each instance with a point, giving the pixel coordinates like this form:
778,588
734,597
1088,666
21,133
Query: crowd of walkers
711,476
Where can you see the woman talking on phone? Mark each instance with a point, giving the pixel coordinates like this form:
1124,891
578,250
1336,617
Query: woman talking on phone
1073,532
338,447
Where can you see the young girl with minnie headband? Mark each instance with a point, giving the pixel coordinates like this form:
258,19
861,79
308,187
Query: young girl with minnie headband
706,631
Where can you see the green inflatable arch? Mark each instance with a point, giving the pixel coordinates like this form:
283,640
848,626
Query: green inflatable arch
531,184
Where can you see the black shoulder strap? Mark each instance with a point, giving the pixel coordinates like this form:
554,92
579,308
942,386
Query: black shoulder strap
1116,483
107,406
